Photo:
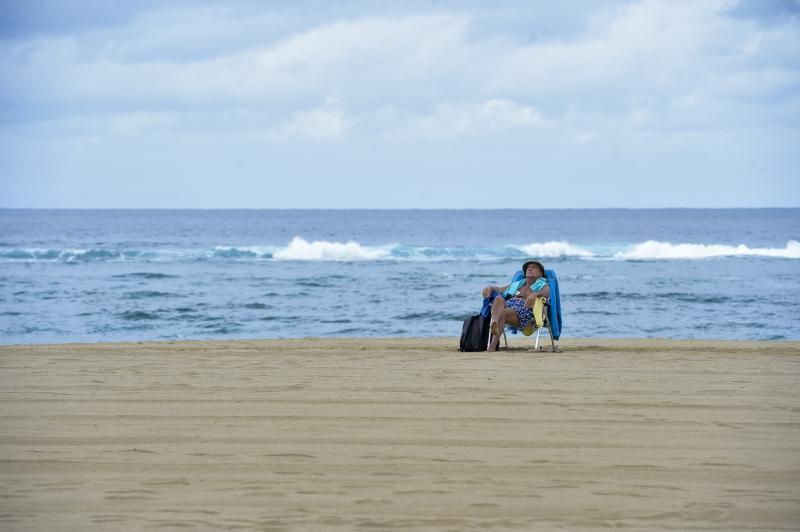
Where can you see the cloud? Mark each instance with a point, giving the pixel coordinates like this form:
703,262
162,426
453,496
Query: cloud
457,119
653,79
323,123
650,46
212,58
659,66
358,59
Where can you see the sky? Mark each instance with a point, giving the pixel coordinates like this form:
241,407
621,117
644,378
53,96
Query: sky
367,104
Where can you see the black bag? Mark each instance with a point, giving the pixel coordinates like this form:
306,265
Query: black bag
474,334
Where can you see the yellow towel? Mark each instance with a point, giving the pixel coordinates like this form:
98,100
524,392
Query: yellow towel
538,317
538,312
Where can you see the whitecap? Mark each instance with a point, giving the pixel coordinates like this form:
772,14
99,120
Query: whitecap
554,249
301,249
653,249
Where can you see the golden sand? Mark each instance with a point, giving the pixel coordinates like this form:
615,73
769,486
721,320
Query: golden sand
409,434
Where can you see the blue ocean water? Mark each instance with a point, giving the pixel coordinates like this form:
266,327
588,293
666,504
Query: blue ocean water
131,275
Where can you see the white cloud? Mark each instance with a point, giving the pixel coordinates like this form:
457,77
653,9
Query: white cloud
364,59
323,123
467,118
650,45
670,82
664,49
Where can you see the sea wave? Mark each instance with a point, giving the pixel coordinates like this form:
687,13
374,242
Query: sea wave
241,252
653,249
299,249
71,254
555,249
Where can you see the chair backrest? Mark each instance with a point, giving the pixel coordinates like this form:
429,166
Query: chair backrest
554,303
554,307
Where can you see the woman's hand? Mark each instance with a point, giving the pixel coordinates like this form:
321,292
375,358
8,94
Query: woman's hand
531,300
487,291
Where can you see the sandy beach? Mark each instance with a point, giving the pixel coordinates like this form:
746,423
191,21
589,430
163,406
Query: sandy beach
410,434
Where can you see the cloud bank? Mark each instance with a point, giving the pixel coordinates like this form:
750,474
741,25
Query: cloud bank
622,93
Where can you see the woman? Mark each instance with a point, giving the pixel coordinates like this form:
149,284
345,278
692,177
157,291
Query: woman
513,306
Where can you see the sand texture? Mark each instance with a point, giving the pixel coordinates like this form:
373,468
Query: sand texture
400,435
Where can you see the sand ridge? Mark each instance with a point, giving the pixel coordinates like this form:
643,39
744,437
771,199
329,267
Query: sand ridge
410,434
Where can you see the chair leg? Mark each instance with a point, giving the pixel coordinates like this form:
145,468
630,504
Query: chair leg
552,341
549,328
549,332
505,338
536,344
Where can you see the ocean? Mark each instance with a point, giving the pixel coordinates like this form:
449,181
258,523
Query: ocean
139,275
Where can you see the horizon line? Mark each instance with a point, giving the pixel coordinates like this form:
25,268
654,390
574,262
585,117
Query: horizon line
386,208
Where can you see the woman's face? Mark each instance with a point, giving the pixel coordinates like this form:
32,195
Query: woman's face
533,271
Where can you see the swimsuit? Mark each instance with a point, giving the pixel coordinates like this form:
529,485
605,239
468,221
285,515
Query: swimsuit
524,314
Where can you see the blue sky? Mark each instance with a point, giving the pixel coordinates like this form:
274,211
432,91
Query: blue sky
362,104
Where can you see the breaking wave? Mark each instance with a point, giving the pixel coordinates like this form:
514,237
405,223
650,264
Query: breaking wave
653,249
555,249
72,255
300,249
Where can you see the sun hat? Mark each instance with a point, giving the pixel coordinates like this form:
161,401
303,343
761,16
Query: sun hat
536,262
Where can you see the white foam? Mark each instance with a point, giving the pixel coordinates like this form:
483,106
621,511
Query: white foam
554,249
300,249
653,249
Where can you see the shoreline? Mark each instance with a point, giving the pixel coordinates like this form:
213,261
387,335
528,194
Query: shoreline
343,434
516,342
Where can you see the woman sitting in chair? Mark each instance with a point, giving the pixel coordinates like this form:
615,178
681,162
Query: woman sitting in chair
514,303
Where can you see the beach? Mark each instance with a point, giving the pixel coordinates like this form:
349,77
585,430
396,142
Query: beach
404,434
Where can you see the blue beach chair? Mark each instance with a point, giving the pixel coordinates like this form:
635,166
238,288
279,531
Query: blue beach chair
552,315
